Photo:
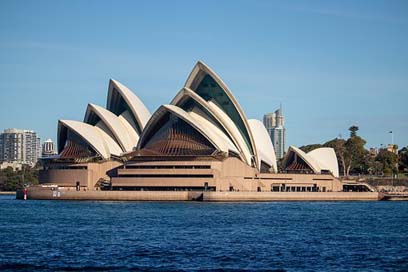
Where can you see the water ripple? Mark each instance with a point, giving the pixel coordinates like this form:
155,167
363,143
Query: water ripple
149,236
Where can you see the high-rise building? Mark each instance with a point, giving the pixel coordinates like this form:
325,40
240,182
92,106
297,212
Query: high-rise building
48,149
18,145
275,124
38,148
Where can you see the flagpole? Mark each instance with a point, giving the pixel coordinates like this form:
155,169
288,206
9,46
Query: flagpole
392,137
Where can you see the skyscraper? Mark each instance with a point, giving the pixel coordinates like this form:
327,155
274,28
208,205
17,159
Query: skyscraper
275,124
18,145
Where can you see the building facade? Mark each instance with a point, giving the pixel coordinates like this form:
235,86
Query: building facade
48,149
275,125
22,146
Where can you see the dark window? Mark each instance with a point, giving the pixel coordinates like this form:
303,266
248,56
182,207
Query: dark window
208,89
265,168
275,189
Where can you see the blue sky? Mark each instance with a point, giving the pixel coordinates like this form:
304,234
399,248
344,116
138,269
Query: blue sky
331,64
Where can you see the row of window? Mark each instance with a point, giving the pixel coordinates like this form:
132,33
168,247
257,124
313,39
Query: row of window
168,167
276,188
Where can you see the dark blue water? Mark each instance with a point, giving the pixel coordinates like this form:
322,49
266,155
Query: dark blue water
291,236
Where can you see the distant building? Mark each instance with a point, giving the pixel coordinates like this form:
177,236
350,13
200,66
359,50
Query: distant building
275,125
22,146
373,152
38,148
392,148
48,149
15,165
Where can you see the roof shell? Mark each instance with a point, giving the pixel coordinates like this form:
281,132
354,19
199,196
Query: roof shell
194,79
139,111
319,159
221,117
125,136
204,127
327,159
264,144
313,164
215,133
87,132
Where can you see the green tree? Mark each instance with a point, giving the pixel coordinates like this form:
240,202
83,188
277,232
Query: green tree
12,180
353,131
355,155
403,159
389,161
308,148
339,147
351,154
375,167
281,164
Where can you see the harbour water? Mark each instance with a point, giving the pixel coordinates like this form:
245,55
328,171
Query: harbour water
154,236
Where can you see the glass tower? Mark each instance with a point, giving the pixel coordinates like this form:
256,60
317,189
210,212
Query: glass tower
275,125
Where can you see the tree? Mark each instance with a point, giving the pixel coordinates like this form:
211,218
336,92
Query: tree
308,148
375,168
351,154
353,131
281,164
339,149
403,159
355,155
389,161
11,180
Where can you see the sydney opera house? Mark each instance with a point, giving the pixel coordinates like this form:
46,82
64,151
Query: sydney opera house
201,141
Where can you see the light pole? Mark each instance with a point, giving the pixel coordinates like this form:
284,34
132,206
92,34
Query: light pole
392,138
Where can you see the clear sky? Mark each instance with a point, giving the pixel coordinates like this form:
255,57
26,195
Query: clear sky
331,64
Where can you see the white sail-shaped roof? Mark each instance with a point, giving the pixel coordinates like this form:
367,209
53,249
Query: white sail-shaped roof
112,146
327,159
99,140
314,165
209,86
233,130
220,118
105,132
124,135
263,143
121,100
209,131
214,132
319,159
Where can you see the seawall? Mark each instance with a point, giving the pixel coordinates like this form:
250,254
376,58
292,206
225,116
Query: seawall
291,196
56,194
48,194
